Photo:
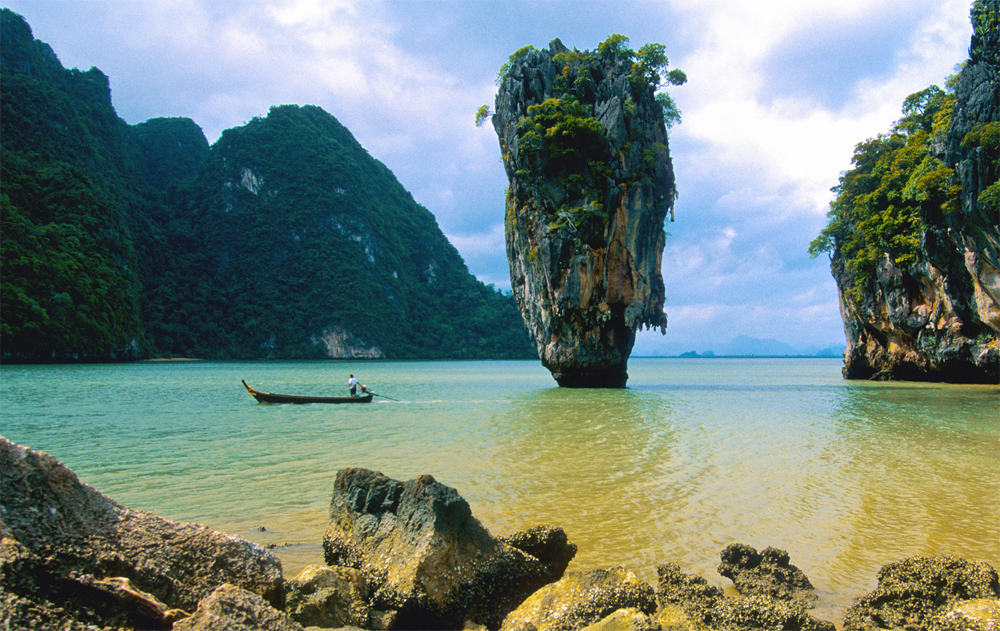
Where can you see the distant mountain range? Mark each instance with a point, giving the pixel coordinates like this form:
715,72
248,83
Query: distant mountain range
745,346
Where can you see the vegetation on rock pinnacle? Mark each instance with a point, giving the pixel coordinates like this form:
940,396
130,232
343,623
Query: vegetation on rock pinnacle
914,232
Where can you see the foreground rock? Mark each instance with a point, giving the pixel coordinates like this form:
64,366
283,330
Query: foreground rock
763,606
230,608
582,599
428,562
978,614
917,594
762,612
584,146
73,555
405,555
690,593
329,597
766,573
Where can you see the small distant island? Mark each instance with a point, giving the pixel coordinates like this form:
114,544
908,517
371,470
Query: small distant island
745,346
830,353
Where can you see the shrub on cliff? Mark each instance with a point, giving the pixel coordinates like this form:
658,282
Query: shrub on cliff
897,184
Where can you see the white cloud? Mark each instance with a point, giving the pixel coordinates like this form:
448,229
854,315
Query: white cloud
794,142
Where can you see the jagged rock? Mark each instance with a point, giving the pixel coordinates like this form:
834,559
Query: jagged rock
549,545
630,619
230,608
581,599
591,182
674,618
768,573
21,613
328,597
428,561
761,611
912,592
939,319
67,547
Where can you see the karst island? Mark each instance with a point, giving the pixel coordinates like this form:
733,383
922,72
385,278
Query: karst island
583,137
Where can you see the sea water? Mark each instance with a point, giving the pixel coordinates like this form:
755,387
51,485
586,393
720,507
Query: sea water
694,455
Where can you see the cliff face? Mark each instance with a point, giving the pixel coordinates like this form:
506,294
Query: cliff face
584,146
285,239
938,319
310,247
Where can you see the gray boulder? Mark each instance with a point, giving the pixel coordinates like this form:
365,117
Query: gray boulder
582,599
230,608
429,562
766,573
68,548
914,592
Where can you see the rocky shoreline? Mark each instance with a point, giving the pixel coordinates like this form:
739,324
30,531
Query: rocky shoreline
405,555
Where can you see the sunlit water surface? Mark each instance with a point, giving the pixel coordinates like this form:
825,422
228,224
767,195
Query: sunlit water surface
693,456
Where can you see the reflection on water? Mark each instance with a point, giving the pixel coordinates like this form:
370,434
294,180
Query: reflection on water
589,461
919,462
693,456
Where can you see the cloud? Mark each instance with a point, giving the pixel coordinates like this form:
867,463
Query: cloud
485,250
762,74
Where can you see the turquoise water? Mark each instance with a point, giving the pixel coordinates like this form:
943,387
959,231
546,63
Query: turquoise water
694,455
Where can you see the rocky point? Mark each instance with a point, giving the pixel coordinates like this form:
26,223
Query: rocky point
938,318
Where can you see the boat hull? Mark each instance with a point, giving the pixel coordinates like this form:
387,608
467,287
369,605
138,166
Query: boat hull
271,397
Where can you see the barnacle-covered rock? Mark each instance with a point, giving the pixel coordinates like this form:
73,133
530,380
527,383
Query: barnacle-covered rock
768,572
911,593
581,599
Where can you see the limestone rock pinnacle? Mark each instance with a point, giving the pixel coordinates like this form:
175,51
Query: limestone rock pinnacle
584,145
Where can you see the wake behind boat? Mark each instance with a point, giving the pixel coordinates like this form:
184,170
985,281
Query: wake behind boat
270,397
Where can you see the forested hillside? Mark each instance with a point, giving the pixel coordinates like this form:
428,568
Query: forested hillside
69,281
284,239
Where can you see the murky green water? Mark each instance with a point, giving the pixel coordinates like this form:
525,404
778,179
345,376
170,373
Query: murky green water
694,455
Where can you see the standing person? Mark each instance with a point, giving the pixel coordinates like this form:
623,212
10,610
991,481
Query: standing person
353,384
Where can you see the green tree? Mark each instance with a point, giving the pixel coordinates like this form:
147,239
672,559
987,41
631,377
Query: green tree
896,184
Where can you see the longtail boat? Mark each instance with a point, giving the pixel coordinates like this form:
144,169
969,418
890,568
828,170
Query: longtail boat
270,397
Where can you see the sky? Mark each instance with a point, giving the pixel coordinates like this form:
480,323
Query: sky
779,92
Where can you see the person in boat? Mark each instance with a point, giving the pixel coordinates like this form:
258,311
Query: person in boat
352,383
